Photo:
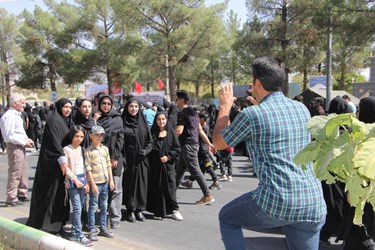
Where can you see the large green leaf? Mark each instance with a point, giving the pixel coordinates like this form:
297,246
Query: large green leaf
356,188
333,125
364,159
308,154
316,126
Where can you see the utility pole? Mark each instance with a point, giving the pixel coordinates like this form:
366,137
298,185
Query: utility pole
329,63
2,90
167,80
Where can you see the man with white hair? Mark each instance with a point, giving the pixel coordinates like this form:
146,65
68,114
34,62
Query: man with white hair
15,136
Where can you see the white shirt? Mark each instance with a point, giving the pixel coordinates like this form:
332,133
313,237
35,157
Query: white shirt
11,125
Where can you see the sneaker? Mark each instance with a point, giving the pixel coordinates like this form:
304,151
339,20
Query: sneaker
223,178
177,215
215,186
106,233
85,241
230,178
187,184
93,236
205,200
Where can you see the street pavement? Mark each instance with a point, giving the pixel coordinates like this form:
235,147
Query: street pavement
198,230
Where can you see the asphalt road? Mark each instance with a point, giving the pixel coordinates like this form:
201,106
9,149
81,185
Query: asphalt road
198,230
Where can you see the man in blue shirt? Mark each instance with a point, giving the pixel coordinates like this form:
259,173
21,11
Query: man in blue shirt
274,131
149,114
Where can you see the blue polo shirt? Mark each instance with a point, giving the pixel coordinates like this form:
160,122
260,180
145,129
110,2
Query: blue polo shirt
274,132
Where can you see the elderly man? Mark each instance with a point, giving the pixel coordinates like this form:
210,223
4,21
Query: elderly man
15,136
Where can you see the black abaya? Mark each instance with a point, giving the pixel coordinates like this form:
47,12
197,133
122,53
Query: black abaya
138,143
49,206
162,185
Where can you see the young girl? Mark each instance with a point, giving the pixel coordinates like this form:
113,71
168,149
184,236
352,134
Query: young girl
75,181
163,158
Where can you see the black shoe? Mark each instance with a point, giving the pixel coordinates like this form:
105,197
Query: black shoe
13,204
23,199
139,215
131,217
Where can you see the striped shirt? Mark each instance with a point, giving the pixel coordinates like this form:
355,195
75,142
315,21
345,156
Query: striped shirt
275,131
98,162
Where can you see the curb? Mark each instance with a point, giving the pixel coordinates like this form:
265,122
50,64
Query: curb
15,235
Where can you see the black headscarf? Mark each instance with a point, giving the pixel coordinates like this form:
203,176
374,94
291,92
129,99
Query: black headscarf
133,121
172,115
58,108
155,130
86,123
109,120
137,121
367,110
338,106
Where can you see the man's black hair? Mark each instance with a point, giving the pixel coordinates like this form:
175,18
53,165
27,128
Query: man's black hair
270,72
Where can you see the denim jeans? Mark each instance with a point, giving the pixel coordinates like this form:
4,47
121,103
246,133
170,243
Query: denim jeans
100,199
243,212
77,197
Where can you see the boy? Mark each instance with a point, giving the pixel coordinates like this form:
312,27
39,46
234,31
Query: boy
99,174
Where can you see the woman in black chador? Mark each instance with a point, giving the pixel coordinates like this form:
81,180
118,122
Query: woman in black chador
360,237
163,157
138,143
49,207
111,121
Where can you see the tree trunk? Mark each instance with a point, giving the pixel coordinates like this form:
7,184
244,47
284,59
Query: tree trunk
304,79
52,78
319,68
196,90
342,76
212,80
7,84
284,45
172,82
109,81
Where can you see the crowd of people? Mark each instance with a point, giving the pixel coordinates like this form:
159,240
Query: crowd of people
94,156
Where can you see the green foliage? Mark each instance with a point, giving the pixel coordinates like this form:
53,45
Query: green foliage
343,151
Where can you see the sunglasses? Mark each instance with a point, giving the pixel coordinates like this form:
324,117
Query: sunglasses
106,103
99,135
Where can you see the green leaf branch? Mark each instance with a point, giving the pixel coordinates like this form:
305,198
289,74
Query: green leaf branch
343,150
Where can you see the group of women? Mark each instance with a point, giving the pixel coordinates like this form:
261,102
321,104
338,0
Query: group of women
339,219
143,163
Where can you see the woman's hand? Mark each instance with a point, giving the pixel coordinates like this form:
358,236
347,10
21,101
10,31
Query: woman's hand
114,163
111,185
97,115
63,168
164,159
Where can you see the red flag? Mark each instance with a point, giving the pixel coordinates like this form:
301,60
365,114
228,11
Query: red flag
161,84
137,87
